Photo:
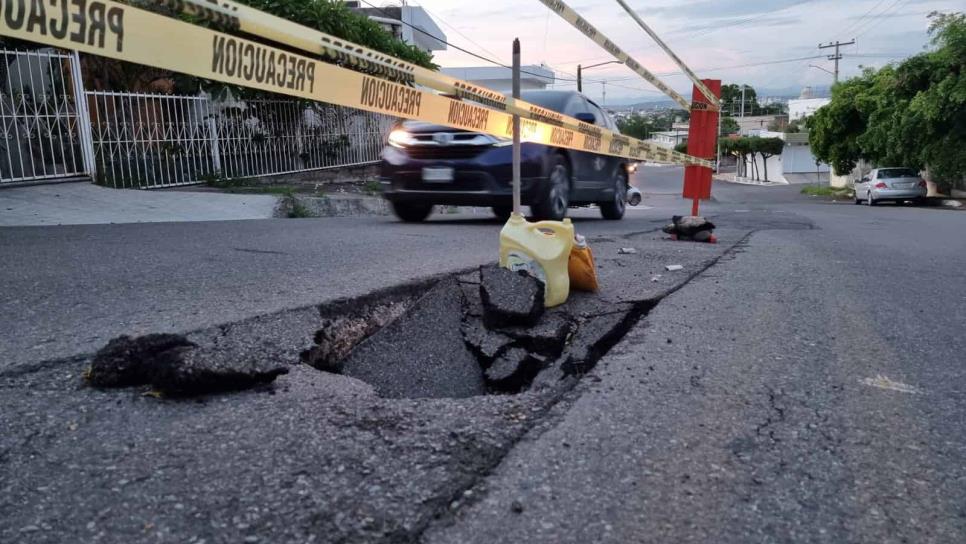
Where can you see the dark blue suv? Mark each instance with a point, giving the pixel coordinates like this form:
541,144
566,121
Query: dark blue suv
426,164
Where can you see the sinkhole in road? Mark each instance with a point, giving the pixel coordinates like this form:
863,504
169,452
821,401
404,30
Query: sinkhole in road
431,342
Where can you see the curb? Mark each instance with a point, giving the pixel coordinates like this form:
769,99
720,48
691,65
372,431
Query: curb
330,206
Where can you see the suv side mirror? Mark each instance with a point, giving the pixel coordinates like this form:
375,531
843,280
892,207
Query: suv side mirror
586,117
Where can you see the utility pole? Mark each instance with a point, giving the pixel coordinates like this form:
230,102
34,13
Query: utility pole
837,56
603,100
743,99
580,74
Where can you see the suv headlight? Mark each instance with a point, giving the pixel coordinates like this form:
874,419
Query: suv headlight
400,138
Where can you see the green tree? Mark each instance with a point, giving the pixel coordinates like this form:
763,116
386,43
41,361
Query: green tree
329,16
729,126
731,98
766,148
910,114
642,126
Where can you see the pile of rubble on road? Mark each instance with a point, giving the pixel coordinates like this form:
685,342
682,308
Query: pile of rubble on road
172,365
691,228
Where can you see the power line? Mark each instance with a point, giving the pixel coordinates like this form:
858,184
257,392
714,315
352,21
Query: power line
751,65
495,62
441,40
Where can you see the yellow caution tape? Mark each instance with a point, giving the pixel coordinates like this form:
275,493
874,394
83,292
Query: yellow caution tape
715,103
239,17
568,14
110,29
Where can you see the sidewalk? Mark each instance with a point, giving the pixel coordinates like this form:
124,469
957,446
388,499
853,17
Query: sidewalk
89,204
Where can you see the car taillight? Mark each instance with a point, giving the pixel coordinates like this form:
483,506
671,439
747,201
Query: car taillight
922,183
880,185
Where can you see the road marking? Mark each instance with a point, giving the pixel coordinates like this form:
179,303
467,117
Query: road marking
884,382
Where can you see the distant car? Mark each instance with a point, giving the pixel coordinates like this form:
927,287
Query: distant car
895,184
424,165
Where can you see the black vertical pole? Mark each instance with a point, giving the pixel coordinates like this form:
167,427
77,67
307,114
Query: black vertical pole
516,128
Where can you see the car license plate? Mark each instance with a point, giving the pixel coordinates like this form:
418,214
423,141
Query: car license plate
904,185
437,175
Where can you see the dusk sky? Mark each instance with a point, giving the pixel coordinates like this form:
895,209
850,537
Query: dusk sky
710,35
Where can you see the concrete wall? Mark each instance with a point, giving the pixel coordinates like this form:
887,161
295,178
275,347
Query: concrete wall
798,159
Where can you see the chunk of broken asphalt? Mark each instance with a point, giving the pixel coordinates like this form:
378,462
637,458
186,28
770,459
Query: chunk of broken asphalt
548,336
174,365
484,342
127,361
510,299
514,370
187,371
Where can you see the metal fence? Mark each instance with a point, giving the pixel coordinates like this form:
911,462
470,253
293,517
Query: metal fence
54,129
42,132
261,137
146,140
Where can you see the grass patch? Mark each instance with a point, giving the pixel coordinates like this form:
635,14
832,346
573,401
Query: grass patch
297,210
254,187
372,187
826,190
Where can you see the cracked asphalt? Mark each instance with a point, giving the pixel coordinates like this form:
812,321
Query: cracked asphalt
807,387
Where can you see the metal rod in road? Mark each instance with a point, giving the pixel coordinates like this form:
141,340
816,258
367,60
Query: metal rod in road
516,128
691,75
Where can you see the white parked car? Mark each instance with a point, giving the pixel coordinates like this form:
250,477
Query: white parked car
895,184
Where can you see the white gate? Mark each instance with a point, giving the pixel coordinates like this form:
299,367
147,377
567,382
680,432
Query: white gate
151,140
52,129
42,136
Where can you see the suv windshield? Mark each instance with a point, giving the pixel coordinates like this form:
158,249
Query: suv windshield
552,100
892,173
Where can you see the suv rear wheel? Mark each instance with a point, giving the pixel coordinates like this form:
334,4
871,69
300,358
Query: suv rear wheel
555,203
614,208
412,212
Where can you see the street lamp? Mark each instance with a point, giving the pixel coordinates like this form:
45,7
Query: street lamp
580,69
822,69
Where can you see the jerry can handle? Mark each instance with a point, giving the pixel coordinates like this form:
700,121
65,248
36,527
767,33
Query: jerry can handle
556,228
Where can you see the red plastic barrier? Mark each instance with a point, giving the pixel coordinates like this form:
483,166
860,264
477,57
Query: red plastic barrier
702,138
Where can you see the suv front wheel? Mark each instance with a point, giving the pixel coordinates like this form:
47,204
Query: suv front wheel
412,212
614,208
554,205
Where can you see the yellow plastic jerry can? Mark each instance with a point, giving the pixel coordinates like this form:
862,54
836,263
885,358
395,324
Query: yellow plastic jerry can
543,250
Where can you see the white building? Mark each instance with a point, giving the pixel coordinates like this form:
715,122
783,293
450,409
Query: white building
410,24
499,78
796,164
800,108
669,138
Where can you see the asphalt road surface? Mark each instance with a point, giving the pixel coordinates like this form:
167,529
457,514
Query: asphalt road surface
809,387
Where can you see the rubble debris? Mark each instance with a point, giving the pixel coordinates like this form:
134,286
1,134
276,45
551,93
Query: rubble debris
510,299
422,354
174,365
485,343
589,342
626,251
547,337
188,372
693,228
337,336
127,361
514,370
